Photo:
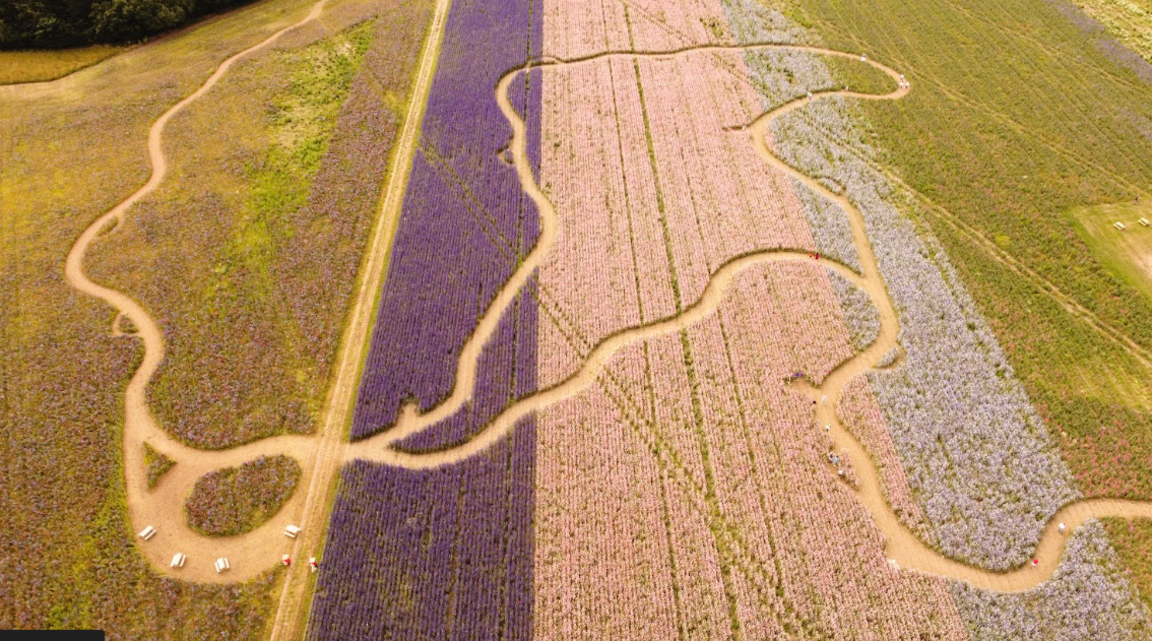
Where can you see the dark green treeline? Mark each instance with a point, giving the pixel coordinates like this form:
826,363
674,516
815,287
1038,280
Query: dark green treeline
71,23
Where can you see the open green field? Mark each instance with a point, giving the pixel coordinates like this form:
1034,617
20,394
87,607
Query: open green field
1023,113
1129,21
1127,252
994,163
38,66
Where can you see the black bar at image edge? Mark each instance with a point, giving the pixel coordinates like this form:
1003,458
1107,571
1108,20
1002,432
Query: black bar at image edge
44,635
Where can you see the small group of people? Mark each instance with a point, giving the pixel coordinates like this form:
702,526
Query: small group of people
834,459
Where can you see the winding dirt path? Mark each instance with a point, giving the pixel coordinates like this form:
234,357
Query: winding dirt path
324,452
162,506
901,545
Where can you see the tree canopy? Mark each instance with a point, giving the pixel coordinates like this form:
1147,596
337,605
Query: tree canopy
69,23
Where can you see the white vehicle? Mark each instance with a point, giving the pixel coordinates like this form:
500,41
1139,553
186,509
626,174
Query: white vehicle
178,560
148,533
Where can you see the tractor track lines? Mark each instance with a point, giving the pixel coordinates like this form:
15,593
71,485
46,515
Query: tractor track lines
257,551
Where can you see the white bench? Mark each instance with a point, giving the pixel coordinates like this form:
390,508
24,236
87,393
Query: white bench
291,531
178,561
1119,226
1144,221
221,564
148,533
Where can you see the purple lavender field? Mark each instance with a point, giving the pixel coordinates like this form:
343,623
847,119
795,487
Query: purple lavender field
465,221
447,553
437,554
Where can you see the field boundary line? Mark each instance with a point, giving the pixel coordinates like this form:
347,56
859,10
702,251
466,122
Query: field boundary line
290,621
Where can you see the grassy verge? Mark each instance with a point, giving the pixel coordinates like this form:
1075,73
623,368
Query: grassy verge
39,66
1127,253
384,225
157,464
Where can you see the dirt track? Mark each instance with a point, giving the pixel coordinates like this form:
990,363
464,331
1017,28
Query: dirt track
289,620
323,453
901,545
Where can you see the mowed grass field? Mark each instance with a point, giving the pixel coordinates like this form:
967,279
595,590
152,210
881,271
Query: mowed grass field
1128,252
1129,21
1022,113
70,150
38,66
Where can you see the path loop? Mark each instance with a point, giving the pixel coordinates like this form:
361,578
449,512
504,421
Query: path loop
259,550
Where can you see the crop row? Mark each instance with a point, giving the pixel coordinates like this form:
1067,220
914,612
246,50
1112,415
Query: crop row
978,458
688,493
507,369
861,315
465,221
442,553
1089,597
447,553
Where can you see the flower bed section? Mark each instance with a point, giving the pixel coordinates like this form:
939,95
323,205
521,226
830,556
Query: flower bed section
447,553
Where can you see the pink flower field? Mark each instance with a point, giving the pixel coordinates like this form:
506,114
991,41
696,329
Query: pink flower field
688,492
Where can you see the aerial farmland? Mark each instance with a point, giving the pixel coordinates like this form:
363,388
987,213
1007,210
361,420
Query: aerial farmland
327,320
